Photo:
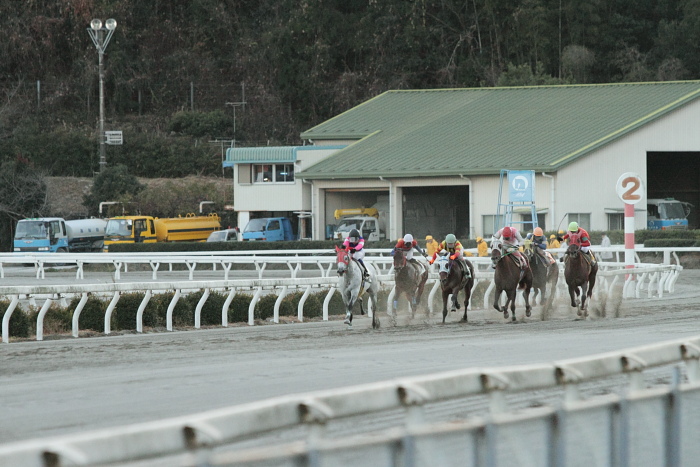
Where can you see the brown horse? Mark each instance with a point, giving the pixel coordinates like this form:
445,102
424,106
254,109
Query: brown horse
452,280
580,274
544,273
410,278
509,277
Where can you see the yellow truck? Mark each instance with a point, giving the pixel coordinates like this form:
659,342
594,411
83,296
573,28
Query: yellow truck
147,229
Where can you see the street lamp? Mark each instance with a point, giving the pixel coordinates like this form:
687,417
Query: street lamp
100,37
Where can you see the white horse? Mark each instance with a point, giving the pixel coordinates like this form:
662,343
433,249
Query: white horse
352,286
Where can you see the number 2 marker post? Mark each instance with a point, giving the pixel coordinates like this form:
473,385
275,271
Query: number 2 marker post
630,189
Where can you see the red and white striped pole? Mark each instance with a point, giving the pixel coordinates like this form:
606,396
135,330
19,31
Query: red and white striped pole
629,237
630,189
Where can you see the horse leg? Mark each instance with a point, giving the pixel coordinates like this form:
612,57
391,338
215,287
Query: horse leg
467,296
445,294
375,311
455,296
497,298
526,295
584,291
511,300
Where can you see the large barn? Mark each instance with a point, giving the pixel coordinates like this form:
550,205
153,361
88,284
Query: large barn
433,159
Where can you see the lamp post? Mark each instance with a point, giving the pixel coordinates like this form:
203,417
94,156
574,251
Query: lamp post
100,37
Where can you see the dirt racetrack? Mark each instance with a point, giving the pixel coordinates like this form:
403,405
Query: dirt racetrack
68,385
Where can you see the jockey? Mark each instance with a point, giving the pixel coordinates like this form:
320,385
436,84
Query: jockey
578,236
354,243
452,246
407,244
510,239
481,247
540,242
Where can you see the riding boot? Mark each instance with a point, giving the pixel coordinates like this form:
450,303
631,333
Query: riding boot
365,273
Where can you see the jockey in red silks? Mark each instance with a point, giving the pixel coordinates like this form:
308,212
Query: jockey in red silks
510,241
407,244
354,244
578,236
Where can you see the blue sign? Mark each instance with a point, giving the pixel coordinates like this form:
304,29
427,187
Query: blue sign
521,185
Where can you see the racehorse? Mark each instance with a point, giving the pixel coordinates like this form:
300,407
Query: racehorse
543,274
352,286
410,279
509,277
452,280
580,277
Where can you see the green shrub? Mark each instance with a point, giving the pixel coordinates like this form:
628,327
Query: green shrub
211,311
670,242
19,321
238,310
290,303
58,320
93,315
126,309
265,307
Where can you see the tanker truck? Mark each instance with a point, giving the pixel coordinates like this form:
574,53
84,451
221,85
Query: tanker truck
57,235
147,229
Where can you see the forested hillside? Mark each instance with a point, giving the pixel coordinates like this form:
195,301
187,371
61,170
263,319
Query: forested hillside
173,65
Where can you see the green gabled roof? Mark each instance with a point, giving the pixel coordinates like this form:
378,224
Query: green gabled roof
483,130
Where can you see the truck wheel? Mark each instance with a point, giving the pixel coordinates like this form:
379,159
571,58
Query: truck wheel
61,250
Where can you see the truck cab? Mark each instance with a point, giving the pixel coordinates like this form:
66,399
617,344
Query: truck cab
368,221
268,229
46,234
667,214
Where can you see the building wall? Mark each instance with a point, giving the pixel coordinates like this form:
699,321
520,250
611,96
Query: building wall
294,196
588,185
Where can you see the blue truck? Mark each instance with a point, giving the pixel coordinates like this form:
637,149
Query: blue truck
667,214
268,229
56,235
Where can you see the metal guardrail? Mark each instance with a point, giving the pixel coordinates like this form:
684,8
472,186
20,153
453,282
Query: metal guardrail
660,278
261,258
643,427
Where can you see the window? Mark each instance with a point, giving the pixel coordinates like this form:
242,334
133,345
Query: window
273,173
284,173
527,221
583,220
489,224
616,221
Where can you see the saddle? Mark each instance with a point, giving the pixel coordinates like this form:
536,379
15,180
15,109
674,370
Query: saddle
465,269
519,259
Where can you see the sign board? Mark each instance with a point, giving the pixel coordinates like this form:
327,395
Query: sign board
521,185
114,137
630,188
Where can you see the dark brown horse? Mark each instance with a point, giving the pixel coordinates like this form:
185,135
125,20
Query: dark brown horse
452,280
544,274
410,278
579,273
509,277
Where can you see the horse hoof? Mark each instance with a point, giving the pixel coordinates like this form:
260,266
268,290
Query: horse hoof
505,314
528,313
348,322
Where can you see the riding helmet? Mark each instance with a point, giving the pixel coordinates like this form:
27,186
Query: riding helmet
507,232
408,238
354,235
538,232
573,227
450,240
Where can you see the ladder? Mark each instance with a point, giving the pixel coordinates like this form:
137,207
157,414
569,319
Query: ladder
519,184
